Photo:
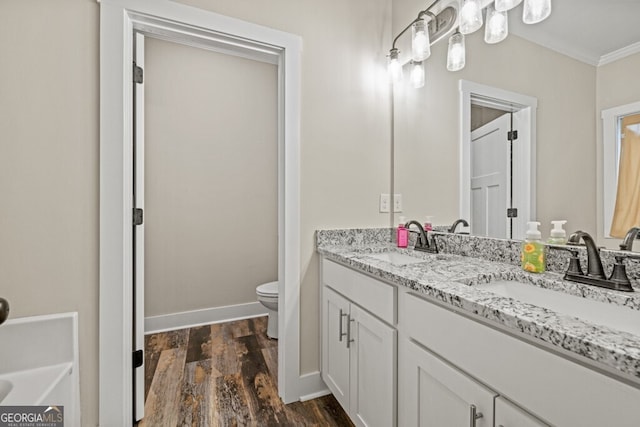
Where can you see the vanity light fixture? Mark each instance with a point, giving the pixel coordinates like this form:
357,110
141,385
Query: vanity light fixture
420,44
417,74
497,26
394,67
467,15
470,16
535,11
456,54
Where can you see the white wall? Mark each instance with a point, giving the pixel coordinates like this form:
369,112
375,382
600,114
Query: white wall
49,169
49,152
211,182
427,123
617,84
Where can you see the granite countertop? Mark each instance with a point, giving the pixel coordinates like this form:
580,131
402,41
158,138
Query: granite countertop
450,279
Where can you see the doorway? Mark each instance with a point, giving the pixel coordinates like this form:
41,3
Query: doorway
120,20
497,183
206,179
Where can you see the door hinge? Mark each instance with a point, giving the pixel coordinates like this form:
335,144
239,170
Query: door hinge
138,74
138,216
512,212
512,135
138,358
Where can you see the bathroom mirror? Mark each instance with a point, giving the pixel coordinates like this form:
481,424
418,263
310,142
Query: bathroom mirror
570,93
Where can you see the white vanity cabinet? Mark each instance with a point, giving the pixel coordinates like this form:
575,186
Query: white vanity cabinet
393,356
433,393
545,386
359,344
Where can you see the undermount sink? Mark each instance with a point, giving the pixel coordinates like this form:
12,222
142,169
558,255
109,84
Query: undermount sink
5,388
601,313
396,258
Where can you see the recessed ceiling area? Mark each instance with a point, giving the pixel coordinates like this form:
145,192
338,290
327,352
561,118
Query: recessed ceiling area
591,31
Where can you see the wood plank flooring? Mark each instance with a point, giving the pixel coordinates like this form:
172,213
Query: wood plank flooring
223,375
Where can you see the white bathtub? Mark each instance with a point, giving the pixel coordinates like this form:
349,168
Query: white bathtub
39,363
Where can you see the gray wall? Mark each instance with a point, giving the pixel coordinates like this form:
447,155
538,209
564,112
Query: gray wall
211,224
49,122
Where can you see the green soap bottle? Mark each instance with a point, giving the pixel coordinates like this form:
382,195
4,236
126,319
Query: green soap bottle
532,254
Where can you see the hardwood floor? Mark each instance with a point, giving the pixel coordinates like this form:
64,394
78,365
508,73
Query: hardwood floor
223,375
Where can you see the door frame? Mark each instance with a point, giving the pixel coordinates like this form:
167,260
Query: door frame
118,21
524,179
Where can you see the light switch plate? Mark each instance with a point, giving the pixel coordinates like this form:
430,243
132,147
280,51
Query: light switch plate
385,203
397,202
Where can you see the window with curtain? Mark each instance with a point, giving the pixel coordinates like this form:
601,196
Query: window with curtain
627,208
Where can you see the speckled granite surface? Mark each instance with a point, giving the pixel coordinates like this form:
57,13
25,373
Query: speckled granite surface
450,278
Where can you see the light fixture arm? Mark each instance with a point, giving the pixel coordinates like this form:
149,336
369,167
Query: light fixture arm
442,23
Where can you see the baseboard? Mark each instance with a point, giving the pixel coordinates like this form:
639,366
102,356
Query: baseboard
312,386
190,319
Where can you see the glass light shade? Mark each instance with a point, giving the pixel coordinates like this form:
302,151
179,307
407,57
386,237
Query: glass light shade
504,5
420,45
394,67
417,75
496,27
456,53
535,11
470,16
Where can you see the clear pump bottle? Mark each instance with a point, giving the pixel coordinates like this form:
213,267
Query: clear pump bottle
558,235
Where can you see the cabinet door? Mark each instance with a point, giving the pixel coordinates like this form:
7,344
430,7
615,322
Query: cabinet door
335,353
373,370
509,415
434,393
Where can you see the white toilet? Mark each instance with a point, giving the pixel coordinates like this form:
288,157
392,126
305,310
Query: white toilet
268,296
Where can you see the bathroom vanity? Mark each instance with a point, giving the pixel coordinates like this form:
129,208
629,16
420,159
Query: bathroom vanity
413,338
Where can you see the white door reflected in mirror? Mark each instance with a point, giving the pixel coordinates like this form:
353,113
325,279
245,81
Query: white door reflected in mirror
495,174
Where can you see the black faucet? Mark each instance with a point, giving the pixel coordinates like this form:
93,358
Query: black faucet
594,263
627,242
4,310
595,272
457,222
422,243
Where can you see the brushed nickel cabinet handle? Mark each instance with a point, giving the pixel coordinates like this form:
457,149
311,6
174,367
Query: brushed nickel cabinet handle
473,415
340,333
349,339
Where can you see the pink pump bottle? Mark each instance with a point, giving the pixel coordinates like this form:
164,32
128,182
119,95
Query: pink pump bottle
402,234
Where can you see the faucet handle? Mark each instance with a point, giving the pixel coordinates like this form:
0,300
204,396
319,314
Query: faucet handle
619,275
574,268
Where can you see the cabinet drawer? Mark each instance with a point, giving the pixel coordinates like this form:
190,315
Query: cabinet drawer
373,295
554,388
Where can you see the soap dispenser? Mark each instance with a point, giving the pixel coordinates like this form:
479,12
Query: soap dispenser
402,234
532,254
558,235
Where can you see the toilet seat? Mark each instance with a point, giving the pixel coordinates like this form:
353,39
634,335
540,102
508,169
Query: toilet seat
268,290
